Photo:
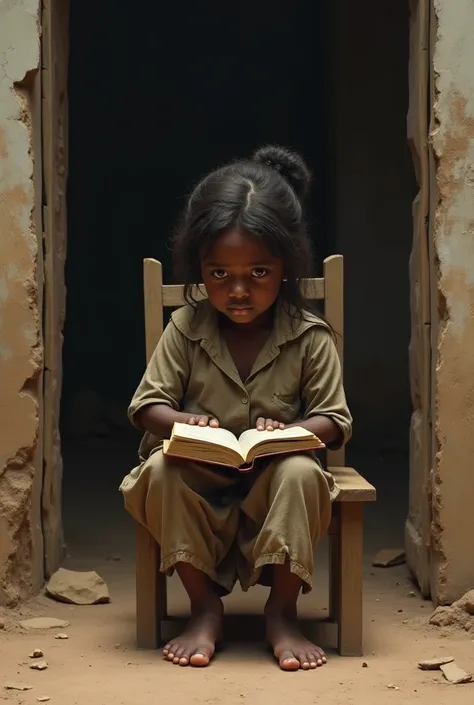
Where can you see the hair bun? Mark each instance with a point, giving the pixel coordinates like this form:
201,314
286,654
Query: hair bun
291,166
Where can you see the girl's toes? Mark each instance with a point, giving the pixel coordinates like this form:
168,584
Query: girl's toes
321,656
171,651
303,659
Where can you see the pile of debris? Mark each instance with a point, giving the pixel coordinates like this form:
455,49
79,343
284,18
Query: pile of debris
460,614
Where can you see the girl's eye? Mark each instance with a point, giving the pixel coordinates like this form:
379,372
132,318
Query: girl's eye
219,274
259,273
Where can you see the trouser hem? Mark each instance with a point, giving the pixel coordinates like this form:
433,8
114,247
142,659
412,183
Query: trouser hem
168,564
279,559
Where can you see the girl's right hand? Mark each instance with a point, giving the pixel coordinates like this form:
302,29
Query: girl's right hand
202,421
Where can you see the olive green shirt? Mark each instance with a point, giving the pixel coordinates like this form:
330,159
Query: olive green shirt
296,375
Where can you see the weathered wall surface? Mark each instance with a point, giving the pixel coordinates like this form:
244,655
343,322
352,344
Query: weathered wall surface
453,143
21,551
418,523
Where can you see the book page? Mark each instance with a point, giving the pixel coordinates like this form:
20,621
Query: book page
207,434
251,438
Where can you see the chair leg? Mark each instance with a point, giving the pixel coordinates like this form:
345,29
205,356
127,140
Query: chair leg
334,571
151,591
350,579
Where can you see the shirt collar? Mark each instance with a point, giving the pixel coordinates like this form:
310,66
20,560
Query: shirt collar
199,323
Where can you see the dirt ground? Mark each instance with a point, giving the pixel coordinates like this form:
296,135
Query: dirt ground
99,664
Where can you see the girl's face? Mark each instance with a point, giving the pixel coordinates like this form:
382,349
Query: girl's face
241,276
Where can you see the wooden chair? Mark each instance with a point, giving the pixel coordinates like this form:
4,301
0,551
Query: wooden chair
345,534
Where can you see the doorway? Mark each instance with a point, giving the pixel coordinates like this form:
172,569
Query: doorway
152,109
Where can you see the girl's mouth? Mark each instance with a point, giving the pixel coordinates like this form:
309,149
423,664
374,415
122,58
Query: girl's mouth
240,310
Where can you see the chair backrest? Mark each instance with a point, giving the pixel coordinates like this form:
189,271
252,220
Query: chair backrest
329,290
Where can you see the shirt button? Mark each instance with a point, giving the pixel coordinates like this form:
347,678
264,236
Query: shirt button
245,400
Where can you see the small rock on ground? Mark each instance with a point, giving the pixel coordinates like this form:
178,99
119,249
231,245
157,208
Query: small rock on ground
389,557
18,686
36,653
39,666
460,614
44,623
78,588
434,664
454,674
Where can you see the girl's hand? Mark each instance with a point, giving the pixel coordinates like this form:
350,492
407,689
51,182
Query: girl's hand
269,425
202,421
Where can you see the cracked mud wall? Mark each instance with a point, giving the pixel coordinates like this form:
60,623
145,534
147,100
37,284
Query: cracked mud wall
21,353
452,138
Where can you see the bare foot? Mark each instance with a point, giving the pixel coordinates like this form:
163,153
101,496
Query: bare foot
290,647
197,644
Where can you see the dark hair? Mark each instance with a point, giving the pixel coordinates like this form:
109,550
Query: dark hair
264,196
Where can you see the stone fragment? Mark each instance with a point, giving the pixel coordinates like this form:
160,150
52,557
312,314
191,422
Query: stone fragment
434,664
44,623
78,588
454,674
18,686
460,614
36,653
389,557
39,666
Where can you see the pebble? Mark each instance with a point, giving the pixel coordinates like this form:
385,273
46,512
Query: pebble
43,699
36,653
454,674
77,587
61,636
43,623
18,686
39,666
434,664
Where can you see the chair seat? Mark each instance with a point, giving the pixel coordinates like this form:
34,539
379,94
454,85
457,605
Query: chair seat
353,487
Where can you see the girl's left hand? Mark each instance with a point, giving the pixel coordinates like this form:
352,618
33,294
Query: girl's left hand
269,425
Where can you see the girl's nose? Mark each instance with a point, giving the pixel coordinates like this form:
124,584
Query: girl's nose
238,289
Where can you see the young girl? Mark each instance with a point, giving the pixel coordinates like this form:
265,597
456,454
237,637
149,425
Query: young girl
252,355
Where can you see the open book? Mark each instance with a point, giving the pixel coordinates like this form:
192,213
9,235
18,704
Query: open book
221,447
